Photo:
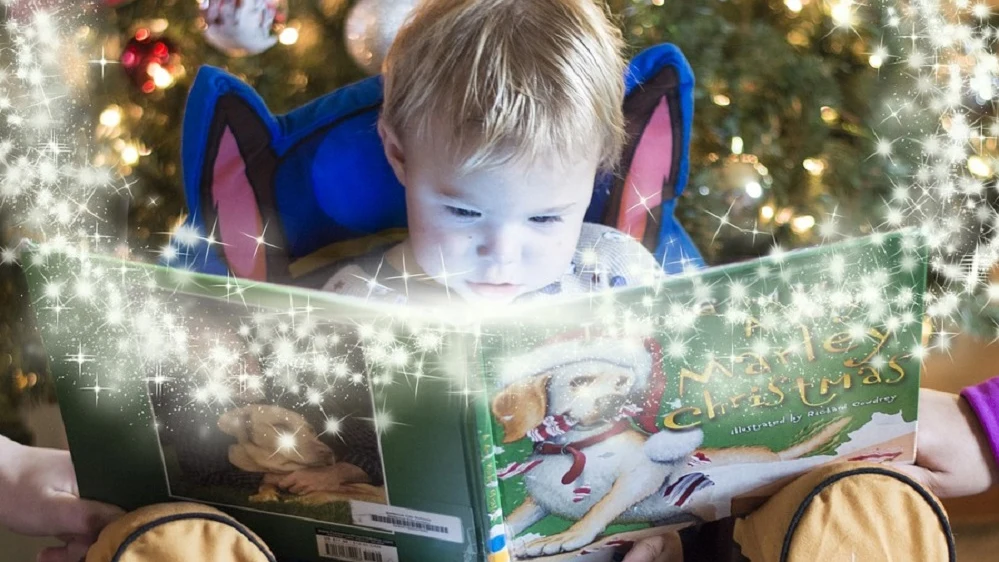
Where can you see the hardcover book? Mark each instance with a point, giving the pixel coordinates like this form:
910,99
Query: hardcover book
340,429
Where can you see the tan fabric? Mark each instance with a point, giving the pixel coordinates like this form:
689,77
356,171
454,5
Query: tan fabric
340,251
195,538
846,512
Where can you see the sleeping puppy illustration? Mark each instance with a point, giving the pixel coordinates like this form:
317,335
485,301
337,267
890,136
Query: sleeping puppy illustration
276,441
590,465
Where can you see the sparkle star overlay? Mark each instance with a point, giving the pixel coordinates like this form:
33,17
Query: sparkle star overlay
61,202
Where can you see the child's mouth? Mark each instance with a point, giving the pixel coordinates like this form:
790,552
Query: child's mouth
494,289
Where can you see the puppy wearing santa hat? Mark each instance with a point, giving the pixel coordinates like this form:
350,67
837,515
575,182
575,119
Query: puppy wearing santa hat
590,407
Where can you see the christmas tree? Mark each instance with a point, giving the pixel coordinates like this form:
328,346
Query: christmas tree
786,97
786,93
798,106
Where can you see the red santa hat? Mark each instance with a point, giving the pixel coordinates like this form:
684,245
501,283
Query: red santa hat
641,356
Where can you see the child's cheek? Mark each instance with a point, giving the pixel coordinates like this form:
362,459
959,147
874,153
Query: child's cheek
438,247
458,247
563,244
564,249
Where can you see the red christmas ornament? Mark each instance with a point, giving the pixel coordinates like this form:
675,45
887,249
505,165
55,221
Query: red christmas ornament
149,61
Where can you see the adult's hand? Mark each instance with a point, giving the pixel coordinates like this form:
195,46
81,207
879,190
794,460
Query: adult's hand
39,497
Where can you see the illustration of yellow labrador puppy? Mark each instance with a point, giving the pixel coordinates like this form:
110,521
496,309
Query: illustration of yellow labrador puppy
574,400
279,442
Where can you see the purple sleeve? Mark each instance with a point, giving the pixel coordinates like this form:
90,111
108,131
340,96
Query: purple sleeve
984,401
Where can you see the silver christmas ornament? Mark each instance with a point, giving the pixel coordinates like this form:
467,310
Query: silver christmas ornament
371,27
243,27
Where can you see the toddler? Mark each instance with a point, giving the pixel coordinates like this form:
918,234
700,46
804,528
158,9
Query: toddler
497,117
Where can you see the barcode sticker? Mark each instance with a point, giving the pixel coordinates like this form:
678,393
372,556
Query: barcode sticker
443,527
355,549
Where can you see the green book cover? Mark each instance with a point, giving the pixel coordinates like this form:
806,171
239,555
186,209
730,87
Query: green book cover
343,430
620,415
185,387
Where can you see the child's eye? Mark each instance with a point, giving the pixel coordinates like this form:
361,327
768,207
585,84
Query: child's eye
462,213
546,219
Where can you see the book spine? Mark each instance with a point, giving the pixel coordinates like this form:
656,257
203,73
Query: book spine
496,547
489,493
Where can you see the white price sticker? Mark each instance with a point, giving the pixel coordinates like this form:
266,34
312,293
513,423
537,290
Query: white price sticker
397,519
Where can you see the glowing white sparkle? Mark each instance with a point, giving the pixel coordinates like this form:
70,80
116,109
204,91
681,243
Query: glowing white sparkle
842,13
332,426
287,441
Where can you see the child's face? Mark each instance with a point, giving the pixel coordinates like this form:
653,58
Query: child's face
492,234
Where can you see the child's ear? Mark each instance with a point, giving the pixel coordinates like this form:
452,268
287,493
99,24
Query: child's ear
521,407
393,150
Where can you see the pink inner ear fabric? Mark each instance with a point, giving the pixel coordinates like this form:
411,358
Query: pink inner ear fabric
650,169
239,220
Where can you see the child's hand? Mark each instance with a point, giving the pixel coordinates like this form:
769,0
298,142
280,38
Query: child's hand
952,456
39,496
661,548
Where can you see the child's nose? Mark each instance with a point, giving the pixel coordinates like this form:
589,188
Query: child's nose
501,248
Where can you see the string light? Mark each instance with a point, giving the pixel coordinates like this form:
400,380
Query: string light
842,13
162,78
879,56
130,155
289,36
814,166
737,145
111,117
802,224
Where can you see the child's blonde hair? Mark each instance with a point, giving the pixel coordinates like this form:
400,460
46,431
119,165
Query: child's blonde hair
501,80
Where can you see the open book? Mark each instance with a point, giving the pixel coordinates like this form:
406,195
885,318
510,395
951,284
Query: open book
343,430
